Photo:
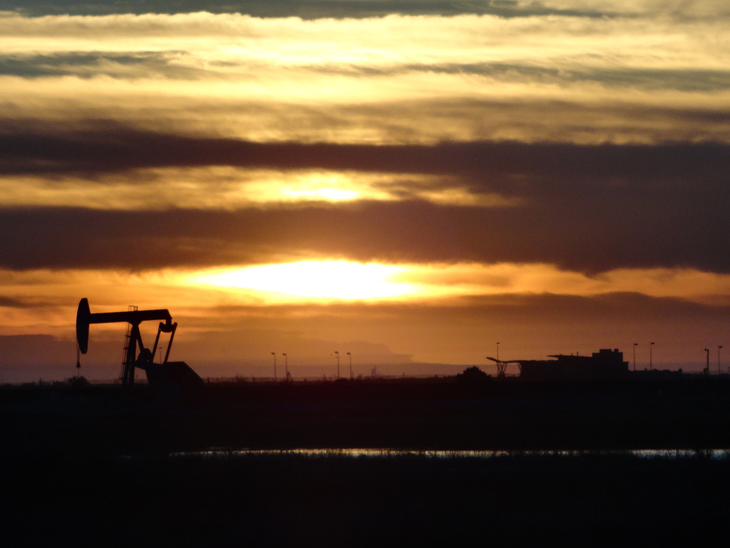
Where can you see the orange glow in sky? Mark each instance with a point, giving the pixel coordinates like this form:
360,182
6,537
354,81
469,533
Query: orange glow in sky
554,165
351,281
314,280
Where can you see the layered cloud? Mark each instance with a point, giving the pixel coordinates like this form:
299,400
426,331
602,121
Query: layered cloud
378,80
131,205
489,144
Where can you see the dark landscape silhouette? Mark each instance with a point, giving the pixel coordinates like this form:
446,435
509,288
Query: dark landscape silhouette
87,459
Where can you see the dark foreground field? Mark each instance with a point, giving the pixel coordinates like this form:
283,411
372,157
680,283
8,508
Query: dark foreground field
93,466
294,500
407,414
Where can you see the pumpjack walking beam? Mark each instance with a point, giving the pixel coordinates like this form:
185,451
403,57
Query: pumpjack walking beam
84,318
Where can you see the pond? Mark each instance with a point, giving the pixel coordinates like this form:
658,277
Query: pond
714,454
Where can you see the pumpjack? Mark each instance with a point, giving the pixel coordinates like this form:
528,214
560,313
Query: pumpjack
136,355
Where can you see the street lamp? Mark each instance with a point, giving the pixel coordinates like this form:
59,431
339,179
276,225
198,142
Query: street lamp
286,365
338,363
651,360
350,356
707,366
635,345
274,354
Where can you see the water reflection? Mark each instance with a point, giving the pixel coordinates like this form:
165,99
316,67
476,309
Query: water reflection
715,454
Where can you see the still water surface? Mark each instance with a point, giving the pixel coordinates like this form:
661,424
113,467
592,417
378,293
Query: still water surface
715,454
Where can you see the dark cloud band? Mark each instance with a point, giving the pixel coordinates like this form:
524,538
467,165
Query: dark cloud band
582,234
588,208
114,148
307,9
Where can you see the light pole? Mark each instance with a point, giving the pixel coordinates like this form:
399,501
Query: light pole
497,351
718,360
635,345
350,356
707,366
651,359
274,354
338,363
286,365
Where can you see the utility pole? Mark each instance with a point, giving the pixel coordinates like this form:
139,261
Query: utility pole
338,363
274,354
707,366
497,351
286,365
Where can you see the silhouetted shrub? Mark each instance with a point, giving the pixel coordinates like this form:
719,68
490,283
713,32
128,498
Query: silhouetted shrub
77,382
472,374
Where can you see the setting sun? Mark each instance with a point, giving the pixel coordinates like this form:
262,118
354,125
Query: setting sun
315,279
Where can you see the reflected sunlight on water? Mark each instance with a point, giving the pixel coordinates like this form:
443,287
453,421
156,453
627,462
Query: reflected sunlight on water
716,454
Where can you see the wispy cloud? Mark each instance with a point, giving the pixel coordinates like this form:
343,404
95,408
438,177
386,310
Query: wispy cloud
578,79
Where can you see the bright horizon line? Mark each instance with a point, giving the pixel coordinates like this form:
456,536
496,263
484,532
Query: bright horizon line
343,280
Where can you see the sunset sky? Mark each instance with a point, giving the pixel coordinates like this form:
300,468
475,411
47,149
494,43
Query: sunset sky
410,181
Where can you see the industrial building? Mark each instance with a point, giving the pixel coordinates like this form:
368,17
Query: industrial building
605,364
